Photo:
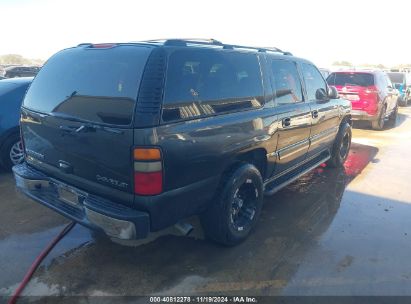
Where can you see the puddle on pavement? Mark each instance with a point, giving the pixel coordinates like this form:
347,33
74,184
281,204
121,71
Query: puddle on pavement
19,251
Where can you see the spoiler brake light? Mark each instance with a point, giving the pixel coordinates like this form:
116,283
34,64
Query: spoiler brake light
103,45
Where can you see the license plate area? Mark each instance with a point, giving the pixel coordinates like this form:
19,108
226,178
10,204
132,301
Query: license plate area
350,97
68,196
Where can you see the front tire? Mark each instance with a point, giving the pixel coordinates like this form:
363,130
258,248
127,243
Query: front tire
403,101
341,147
392,120
236,208
379,123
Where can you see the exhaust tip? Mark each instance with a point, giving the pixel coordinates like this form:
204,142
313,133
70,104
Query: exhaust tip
184,228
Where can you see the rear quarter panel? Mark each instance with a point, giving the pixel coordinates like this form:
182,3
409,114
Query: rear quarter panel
203,148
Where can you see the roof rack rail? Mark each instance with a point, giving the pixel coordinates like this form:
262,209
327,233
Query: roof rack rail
184,41
84,44
214,42
275,49
259,49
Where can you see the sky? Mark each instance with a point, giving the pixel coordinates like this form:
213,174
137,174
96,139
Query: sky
322,31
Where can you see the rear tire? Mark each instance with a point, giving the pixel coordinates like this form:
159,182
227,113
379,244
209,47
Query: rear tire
379,123
402,101
392,120
11,152
341,147
236,207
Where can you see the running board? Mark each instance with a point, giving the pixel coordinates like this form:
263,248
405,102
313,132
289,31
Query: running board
275,185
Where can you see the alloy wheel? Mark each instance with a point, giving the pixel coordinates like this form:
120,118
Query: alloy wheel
17,153
244,206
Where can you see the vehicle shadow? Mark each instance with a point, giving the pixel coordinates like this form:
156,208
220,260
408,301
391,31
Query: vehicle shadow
291,222
401,118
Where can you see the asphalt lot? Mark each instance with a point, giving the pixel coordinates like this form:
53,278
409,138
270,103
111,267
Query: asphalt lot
332,232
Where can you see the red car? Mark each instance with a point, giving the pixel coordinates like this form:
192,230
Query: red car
371,93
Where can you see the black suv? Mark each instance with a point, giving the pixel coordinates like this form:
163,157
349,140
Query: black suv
131,138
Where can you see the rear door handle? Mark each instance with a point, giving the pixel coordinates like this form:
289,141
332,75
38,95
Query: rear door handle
286,122
314,114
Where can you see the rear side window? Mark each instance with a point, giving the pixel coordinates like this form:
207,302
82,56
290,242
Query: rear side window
98,85
381,81
351,79
313,81
208,82
287,82
387,80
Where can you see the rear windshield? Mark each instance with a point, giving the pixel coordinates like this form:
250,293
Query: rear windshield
98,85
351,79
397,77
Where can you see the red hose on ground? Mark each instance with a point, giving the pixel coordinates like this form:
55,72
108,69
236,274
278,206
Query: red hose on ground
38,261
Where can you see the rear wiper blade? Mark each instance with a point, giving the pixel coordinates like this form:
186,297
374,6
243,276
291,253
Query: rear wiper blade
84,124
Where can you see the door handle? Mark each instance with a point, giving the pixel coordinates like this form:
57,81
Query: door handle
314,114
286,122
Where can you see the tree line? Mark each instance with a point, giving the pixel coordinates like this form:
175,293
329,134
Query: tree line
368,65
19,60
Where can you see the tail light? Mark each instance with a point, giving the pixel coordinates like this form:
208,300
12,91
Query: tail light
372,90
369,99
103,45
148,171
365,104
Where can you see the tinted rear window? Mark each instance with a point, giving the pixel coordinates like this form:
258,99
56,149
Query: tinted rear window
397,77
98,85
351,79
208,82
287,82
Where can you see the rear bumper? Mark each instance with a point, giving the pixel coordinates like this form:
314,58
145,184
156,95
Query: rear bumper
94,212
362,115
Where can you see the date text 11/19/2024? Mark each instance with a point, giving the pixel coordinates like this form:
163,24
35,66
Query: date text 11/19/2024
203,299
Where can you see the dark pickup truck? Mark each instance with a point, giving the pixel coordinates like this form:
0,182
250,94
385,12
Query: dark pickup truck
131,138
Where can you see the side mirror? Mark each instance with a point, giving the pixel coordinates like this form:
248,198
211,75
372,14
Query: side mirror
332,93
321,94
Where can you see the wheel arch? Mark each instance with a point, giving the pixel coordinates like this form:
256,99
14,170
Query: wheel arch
256,157
347,119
